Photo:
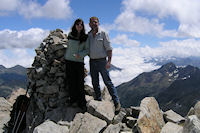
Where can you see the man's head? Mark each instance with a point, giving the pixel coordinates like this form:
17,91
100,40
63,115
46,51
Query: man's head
94,23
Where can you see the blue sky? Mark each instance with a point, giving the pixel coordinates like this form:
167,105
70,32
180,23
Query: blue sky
138,29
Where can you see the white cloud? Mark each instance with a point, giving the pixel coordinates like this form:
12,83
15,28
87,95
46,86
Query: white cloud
132,59
154,11
182,48
8,5
22,39
122,39
176,48
12,57
56,9
128,21
131,62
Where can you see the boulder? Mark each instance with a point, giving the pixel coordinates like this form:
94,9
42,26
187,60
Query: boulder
172,128
89,91
50,127
197,109
5,108
119,117
171,116
113,128
192,125
62,114
101,109
13,96
117,128
87,123
191,112
106,95
150,119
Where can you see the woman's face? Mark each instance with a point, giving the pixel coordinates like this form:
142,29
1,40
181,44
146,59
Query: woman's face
79,26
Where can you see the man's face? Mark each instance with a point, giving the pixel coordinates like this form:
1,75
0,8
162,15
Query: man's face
94,24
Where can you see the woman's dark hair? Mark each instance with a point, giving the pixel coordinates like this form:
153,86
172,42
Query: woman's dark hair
74,32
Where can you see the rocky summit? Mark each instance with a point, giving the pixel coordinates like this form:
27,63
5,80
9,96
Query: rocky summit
49,110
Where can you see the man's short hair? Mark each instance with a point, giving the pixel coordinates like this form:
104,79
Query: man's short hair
94,18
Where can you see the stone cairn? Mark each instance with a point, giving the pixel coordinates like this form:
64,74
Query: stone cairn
46,78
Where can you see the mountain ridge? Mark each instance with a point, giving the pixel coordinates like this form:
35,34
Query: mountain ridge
158,83
11,79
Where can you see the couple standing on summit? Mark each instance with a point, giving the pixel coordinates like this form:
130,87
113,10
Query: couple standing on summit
97,45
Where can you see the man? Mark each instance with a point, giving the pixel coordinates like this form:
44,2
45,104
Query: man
100,49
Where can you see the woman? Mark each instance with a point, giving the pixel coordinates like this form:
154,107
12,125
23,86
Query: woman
77,49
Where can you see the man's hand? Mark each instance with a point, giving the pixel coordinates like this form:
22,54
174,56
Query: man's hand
109,53
108,65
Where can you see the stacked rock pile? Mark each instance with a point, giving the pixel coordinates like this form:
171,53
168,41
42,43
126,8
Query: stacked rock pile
46,77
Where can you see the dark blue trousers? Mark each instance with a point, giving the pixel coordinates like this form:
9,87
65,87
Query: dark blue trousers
99,66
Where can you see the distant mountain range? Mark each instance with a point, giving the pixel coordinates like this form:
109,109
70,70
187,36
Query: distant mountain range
176,88
11,79
178,61
16,77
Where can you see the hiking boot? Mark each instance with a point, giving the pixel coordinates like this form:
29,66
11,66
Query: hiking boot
117,107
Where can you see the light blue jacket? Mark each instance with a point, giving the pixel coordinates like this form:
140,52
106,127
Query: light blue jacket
75,47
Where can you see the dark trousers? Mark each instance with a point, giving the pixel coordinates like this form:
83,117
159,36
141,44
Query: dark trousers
75,80
99,66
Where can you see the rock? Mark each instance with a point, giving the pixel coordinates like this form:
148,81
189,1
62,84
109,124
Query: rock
101,109
131,121
89,98
89,91
86,123
5,108
191,112
117,128
50,127
171,116
113,128
13,96
192,125
119,117
172,128
106,95
129,112
150,118
197,109
58,115
135,111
